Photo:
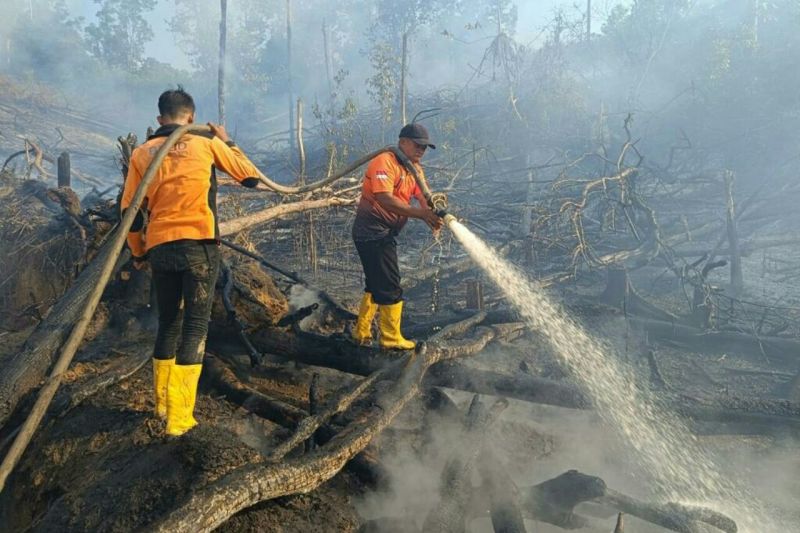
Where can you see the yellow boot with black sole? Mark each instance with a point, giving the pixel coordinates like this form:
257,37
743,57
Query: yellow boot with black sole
181,397
391,337
362,332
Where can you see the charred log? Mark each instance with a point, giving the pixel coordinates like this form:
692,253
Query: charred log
450,513
25,369
208,507
519,386
503,495
224,381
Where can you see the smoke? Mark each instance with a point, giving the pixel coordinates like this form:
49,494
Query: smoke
710,86
535,443
300,297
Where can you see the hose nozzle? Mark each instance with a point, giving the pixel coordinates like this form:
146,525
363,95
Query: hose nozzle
438,201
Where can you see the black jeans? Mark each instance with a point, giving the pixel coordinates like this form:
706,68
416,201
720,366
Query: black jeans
381,271
185,271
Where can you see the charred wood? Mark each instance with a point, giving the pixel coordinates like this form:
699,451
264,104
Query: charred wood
224,381
554,501
503,495
449,515
313,408
323,296
231,227
308,426
233,319
208,507
782,349
672,516
24,371
519,386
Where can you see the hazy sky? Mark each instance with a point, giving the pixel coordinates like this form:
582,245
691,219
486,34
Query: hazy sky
533,15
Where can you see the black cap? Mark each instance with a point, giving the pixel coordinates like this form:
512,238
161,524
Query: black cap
417,133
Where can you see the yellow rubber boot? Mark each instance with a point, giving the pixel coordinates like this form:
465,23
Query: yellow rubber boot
181,396
161,368
391,338
362,332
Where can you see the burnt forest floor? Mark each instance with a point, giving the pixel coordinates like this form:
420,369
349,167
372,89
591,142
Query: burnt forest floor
106,465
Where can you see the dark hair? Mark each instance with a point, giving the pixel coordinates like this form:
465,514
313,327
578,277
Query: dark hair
174,103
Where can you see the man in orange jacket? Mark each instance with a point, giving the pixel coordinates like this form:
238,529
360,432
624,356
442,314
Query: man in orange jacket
181,243
383,210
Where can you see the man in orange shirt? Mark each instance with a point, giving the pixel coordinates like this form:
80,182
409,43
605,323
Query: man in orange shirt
182,245
383,210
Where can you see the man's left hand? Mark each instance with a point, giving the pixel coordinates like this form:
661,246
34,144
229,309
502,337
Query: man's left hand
219,131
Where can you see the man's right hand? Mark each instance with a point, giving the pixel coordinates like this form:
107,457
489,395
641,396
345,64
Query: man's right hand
432,219
219,131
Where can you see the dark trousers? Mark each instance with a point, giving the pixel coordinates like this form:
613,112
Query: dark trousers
184,271
381,271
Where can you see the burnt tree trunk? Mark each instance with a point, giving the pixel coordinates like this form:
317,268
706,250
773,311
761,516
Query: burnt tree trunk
64,176
737,281
223,32
503,495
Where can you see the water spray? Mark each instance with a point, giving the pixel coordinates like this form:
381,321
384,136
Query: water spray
679,465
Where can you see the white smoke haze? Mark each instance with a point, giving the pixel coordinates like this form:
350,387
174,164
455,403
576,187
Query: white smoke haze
300,297
714,77
538,442
675,461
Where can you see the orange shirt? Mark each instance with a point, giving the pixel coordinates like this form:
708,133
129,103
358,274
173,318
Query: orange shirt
182,198
385,174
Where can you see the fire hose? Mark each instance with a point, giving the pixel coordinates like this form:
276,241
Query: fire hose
116,243
436,200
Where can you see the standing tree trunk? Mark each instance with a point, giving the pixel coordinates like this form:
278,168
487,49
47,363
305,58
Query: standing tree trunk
223,30
301,180
8,51
403,68
737,280
756,17
588,20
327,59
289,75
64,177
526,223
301,150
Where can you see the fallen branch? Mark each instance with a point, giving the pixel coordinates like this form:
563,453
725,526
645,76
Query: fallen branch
25,369
503,495
554,501
673,516
70,397
231,227
309,425
208,507
224,381
450,513
519,386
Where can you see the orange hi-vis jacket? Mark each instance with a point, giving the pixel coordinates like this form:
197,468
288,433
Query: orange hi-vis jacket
385,174
181,201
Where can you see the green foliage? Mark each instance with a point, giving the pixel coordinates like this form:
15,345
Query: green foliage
383,85
638,31
121,32
396,18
